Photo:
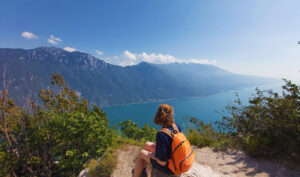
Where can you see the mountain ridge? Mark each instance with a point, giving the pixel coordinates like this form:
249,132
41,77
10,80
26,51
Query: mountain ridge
106,84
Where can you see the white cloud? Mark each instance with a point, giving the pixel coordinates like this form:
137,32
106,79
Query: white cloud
157,58
70,49
129,55
54,40
99,52
29,35
129,58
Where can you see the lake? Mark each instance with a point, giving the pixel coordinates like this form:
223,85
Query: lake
204,108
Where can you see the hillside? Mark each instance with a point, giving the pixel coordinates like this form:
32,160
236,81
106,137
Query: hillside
106,84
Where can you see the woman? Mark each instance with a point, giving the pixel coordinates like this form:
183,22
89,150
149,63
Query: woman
158,153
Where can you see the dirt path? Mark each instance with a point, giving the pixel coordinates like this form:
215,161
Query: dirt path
238,164
209,163
126,159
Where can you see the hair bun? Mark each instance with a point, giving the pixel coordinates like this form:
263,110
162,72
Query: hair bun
164,115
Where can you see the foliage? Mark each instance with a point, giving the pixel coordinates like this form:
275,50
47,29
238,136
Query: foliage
53,139
130,129
269,124
103,168
202,135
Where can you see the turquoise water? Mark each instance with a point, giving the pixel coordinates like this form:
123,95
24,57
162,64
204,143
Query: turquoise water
204,108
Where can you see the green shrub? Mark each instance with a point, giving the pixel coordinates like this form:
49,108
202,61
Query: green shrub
198,139
130,129
222,145
53,139
202,134
269,124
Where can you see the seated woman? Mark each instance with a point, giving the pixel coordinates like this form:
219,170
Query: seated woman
157,154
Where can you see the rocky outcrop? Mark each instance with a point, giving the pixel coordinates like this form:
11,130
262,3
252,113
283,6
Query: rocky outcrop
196,170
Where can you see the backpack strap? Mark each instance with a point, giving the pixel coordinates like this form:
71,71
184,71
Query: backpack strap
175,127
167,131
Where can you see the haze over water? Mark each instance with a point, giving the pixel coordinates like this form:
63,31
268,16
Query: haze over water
208,108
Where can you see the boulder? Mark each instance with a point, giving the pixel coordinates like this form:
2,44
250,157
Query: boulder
157,173
84,173
196,170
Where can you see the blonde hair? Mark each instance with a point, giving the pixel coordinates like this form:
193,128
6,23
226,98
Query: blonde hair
164,115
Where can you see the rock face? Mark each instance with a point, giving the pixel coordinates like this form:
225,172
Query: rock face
196,170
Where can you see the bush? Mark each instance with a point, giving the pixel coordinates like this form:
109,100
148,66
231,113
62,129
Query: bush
53,139
269,124
198,139
130,129
202,134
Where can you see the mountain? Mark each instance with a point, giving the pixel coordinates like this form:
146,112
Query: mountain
106,84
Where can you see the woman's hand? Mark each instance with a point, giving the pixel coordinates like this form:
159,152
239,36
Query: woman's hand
150,146
153,145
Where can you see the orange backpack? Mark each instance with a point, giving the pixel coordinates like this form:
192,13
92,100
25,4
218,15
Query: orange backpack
182,156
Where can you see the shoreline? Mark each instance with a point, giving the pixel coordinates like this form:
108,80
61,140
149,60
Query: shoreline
184,97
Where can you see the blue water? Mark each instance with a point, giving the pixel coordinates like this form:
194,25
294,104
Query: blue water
208,108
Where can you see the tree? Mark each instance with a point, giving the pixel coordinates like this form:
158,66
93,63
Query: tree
56,138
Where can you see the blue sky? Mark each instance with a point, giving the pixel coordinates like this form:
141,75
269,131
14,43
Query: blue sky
243,36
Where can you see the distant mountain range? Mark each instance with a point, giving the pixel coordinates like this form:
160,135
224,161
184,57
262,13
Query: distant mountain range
105,84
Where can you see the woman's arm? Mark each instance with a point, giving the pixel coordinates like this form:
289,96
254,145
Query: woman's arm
158,161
